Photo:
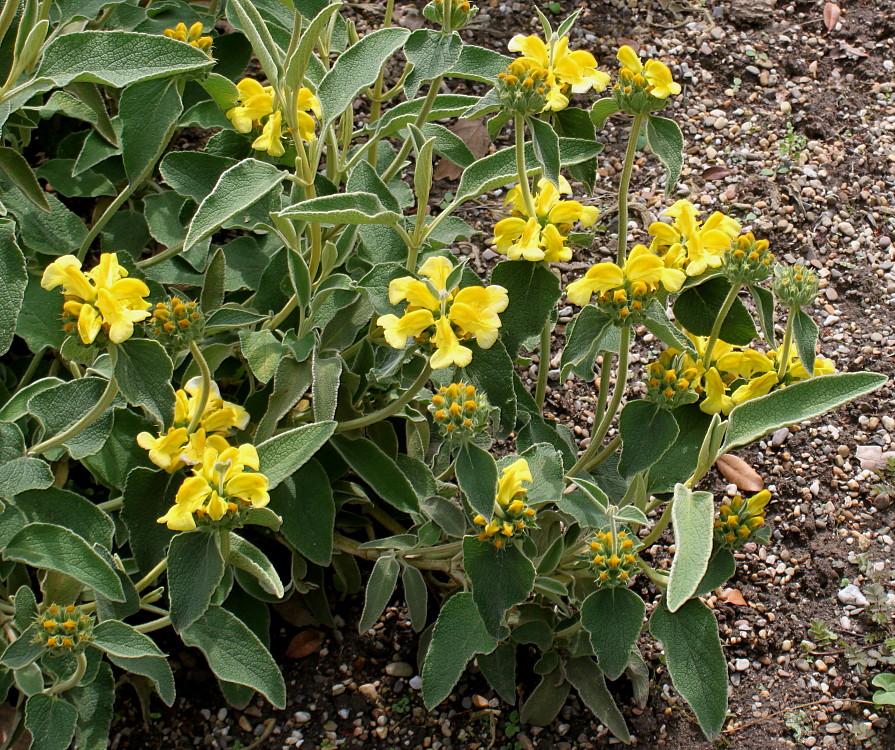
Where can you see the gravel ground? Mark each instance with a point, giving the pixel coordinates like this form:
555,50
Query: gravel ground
790,129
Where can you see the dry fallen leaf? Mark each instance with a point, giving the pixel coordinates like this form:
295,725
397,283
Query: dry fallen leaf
718,172
733,596
831,15
738,472
304,643
475,135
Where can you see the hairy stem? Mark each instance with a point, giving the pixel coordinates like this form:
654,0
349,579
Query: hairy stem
387,411
428,103
783,359
543,364
719,321
622,247
80,669
206,387
522,172
147,580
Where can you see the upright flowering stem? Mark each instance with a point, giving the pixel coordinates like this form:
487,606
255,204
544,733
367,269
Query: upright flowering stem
621,380
96,411
428,103
71,682
783,363
206,387
147,580
622,247
524,187
543,364
387,411
719,321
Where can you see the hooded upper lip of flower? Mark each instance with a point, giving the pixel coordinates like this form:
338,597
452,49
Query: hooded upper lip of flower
697,247
509,485
656,73
642,265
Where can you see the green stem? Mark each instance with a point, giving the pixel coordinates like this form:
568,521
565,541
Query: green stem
352,547
206,387
387,411
783,360
610,448
522,172
153,625
147,580
428,103
387,521
622,247
621,380
605,383
660,526
71,682
164,255
287,310
543,364
31,369
111,505
99,408
719,321
659,578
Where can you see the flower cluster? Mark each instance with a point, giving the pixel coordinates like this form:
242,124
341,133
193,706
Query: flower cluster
67,628
220,486
690,245
176,448
739,521
511,514
103,299
794,286
522,89
192,36
673,379
544,235
642,87
176,322
747,260
456,314
256,102
565,72
460,411
613,558
627,290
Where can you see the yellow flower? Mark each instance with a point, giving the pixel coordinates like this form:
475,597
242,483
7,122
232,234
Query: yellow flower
437,269
822,366
698,247
643,272
756,387
475,312
574,72
657,76
599,279
410,325
306,102
755,505
220,485
716,399
164,450
415,292
256,101
509,485
101,299
448,350
271,138
743,364
193,36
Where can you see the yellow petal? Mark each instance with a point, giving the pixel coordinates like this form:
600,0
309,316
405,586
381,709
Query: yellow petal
629,59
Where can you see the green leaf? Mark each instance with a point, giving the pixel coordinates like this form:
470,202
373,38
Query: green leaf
221,89
377,469
533,291
290,383
120,639
647,432
476,474
501,578
586,336
23,650
195,568
287,452
70,510
326,373
657,323
613,617
238,188
342,208
431,53
602,110
148,493
52,547
588,680
416,595
24,473
448,144
263,351
721,567
667,142
212,296
492,371
144,371
235,654
692,515
355,69
252,24
193,174
96,704
545,143
246,556
51,721
156,668
458,635
499,668
678,462
697,307
695,660
19,173
764,305
297,63
380,587
796,403
499,169
60,174
149,112
544,703
479,64
118,58
805,336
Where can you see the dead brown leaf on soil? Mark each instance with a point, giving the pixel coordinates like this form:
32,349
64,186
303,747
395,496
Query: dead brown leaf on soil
738,472
304,643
